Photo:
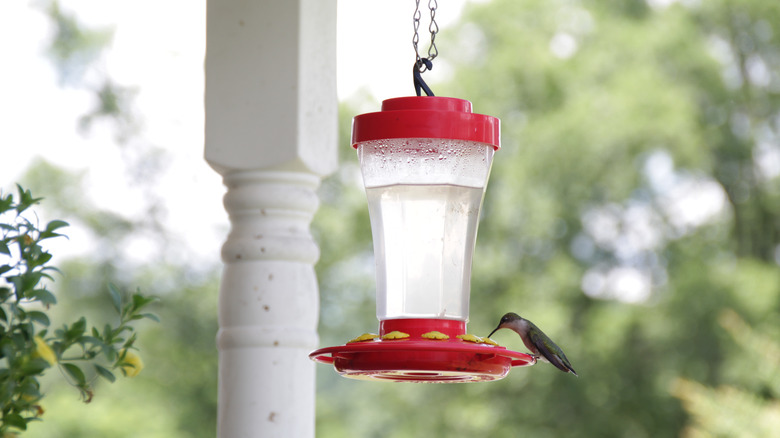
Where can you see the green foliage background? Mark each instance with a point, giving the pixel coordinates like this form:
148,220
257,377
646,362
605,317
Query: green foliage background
609,110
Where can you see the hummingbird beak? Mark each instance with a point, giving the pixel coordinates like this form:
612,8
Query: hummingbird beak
495,330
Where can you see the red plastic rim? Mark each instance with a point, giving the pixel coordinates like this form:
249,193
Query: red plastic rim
427,117
416,327
421,360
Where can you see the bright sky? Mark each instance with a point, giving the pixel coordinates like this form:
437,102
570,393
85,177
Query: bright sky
158,47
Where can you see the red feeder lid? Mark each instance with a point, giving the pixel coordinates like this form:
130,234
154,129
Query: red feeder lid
431,352
427,117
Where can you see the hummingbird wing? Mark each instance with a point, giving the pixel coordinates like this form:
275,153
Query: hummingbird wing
550,351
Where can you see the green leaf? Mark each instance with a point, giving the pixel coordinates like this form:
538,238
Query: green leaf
39,317
91,340
151,316
25,199
26,328
16,282
77,329
15,420
110,352
28,282
75,372
140,300
16,311
105,373
4,248
55,224
35,367
119,330
45,297
40,259
6,202
129,343
116,297
30,388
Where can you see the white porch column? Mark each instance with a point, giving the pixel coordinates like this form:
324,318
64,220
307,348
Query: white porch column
271,121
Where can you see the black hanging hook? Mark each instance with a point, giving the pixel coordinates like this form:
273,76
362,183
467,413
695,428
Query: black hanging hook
419,83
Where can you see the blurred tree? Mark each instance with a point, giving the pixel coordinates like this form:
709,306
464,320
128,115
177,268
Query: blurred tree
76,52
751,409
741,113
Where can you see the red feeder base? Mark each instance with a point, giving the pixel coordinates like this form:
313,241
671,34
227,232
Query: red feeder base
408,350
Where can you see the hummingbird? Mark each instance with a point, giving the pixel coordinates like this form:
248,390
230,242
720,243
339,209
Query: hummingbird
535,340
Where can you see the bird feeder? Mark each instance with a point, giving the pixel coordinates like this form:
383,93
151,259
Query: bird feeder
425,164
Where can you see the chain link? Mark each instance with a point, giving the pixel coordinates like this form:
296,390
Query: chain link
433,28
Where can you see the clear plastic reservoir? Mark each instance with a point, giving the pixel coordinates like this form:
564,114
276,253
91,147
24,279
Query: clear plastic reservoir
424,198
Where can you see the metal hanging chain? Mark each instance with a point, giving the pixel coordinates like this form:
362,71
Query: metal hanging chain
433,28
421,64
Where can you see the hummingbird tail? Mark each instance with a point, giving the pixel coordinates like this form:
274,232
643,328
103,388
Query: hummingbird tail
558,362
